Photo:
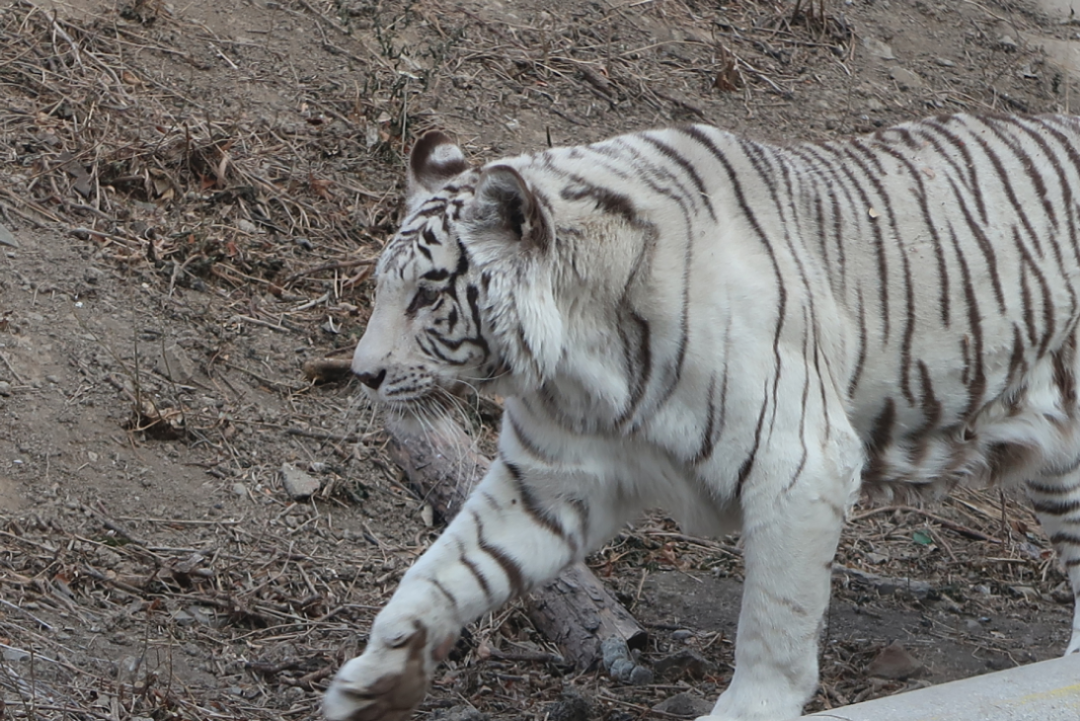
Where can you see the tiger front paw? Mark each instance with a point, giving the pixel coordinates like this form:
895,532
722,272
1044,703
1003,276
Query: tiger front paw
385,683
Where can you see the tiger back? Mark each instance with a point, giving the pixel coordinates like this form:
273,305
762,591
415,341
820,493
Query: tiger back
748,335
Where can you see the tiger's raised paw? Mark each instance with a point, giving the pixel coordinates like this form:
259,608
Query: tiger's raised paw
385,683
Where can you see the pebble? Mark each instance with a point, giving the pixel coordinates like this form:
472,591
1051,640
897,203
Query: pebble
14,655
681,635
572,706
906,79
1006,42
684,704
5,388
204,616
685,662
460,713
239,489
620,664
298,484
878,48
183,618
1026,592
894,662
6,238
945,62
175,364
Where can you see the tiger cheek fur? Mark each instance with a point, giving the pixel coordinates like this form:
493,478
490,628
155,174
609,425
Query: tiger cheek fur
748,335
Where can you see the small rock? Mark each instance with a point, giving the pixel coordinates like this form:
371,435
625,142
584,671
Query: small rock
239,489
204,616
14,655
127,670
684,704
6,238
894,662
621,665
1007,43
108,558
641,676
5,388
247,226
459,713
371,135
1026,592
1062,594
944,62
572,706
614,649
681,635
685,662
874,105
877,48
174,364
298,484
906,79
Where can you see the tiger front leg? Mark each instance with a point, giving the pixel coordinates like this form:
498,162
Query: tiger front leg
504,541
790,536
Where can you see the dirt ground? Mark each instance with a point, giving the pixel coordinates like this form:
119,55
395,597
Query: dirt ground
195,192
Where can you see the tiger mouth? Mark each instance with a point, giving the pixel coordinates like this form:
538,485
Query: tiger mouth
436,391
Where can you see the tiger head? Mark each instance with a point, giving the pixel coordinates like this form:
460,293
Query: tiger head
463,294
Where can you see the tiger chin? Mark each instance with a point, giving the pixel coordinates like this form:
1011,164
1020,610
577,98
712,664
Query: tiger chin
745,334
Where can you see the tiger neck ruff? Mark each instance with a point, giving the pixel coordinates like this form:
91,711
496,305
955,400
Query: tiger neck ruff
745,334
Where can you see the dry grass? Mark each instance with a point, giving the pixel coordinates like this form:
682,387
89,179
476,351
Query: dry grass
107,143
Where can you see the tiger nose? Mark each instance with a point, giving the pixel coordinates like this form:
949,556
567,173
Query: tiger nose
372,380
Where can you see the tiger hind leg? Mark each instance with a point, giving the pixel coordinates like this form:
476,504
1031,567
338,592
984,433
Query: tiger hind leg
1056,500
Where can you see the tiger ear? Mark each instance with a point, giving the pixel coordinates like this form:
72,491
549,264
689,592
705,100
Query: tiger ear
434,160
505,205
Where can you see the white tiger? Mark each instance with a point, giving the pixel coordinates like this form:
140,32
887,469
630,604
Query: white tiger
745,334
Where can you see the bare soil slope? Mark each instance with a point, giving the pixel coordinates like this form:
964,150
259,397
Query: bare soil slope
195,193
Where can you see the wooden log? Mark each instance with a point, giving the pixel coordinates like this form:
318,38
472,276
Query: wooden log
575,611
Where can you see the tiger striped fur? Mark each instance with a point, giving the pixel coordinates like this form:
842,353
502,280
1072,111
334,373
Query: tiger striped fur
748,335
